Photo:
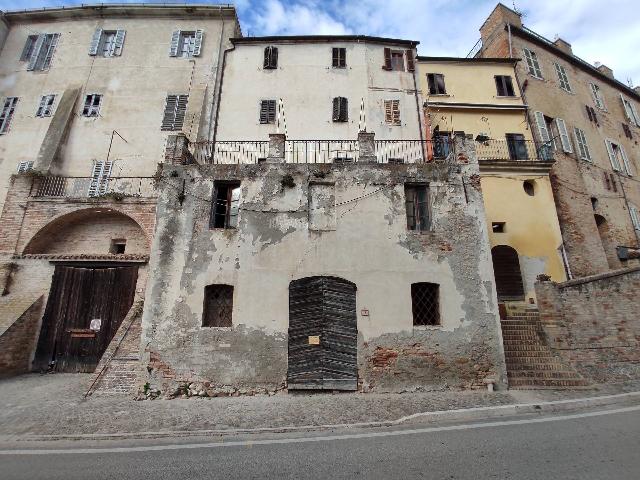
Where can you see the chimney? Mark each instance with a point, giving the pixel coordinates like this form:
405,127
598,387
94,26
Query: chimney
500,16
563,45
603,69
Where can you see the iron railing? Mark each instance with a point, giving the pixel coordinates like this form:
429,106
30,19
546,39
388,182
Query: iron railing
95,187
227,152
321,151
520,150
475,49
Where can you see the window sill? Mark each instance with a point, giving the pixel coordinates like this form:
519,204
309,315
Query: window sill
439,95
218,329
537,78
508,97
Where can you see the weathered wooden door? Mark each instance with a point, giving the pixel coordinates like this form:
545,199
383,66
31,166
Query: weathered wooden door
79,295
322,334
506,268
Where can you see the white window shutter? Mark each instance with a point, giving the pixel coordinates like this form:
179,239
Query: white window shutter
36,52
198,43
542,127
635,217
95,42
46,60
119,42
612,156
96,174
564,135
24,167
43,102
625,160
175,43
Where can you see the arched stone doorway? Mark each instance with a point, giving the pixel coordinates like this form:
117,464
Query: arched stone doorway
323,334
506,268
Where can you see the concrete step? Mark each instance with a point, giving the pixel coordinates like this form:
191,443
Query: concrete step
522,341
526,348
547,367
547,374
549,358
549,383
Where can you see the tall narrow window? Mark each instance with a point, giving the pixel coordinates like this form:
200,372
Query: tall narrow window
45,107
8,108
175,110
41,53
270,58
393,60
91,106
392,112
436,84
218,306
591,113
563,79
107,43
267,111
100,176
533,66
630,111
226,202
340,109
598,99
339,58
425,303
29,46
417,206
618,157
186,44
517,146
504,86
564,135
581,142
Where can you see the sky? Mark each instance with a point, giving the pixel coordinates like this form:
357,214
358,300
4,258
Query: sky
608,35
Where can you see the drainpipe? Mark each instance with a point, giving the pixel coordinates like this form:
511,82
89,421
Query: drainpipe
219,94
510,46
415,88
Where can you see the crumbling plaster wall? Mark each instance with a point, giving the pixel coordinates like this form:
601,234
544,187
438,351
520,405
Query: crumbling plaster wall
273,245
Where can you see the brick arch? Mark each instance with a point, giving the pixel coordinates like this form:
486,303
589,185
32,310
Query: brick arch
89,231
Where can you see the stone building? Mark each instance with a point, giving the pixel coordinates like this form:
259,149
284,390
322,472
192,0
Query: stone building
592,122
89,96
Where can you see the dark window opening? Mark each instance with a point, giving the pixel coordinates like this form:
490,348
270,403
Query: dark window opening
226,201
397,60
118,246
614,185
529,187
267,111
417,205
627,131
270,58
594,203
517,146
340,109
591,113
29,46
504,86
436,84
396,161
498,227
425,303
218,306
92,105
441,145
339,58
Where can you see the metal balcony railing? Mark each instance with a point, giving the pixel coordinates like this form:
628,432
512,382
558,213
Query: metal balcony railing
228,152
518,150
94,187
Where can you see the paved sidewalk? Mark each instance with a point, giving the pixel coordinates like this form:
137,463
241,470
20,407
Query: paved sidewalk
53,405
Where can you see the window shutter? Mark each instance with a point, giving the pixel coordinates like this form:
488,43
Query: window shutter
612,156
635,217
198,43
581,141
387,59
625,160
264,118
6,115
388,114
336,109
274,57
542,127
95,42
267,58
564,135
35,53
410,62
119,42
28,47
53,42
344,109
181,111
169,112
634,112
43,102
24,167
96,174
175,43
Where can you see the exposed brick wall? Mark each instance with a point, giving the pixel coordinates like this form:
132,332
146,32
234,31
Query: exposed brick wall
18,341
593,322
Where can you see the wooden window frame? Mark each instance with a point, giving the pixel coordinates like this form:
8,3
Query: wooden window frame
392,112
45,106
340,109
436,83
226,220
418,212
6,114
339,57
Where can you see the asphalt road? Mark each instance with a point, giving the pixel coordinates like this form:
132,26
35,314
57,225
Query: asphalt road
592,445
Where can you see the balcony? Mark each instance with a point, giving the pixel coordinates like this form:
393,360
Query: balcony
114,188
513,150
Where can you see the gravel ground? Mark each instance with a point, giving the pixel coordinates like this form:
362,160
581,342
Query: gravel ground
53,405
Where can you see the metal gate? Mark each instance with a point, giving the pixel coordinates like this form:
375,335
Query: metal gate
323,334
84,310
506,268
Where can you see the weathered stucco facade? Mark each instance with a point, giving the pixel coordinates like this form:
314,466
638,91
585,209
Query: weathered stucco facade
358,233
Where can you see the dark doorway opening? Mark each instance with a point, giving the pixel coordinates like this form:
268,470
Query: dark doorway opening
506,268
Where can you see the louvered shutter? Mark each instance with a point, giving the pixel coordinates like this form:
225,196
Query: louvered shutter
344,109
636,116
635,217
41,107
96,174
335,59
181,110
564,135
24,167
46,61
542,127
95,42
264,118
388,114
395,104
28,47
612,156
35,53
267,58
169,112
625,160
581,142
410,62
175,43
595,93
387,59
119,42
198,43
274,57
336,109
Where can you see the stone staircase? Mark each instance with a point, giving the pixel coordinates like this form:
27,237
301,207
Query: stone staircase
531,364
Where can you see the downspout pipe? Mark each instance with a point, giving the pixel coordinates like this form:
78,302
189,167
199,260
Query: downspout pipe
417,96
219,93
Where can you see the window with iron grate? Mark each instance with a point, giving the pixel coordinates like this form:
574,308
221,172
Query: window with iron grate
218,306
425,303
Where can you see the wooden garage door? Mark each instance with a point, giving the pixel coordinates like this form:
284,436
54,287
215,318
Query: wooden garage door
77,296
506,268
322,334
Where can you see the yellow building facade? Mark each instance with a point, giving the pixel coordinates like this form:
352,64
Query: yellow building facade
481,98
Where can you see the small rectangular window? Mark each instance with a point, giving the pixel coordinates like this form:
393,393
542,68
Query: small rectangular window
533,66
8,109
24,167
45,107
417,206
175,110
504,86
339,58
436,84
218,306
270,58
118,246
42,51
517,146
425,303
397,60
226,203
498,227
340,109
267,111
186,44
392,112
563,79
91,106
627,131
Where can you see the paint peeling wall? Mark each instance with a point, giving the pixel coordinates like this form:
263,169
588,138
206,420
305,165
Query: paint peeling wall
369,245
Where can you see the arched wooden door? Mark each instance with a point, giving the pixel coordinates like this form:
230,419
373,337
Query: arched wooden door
323,334
506,268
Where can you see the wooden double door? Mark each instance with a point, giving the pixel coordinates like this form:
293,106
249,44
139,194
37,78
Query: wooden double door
86,306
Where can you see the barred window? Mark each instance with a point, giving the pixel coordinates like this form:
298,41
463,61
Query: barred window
425,303
218,306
